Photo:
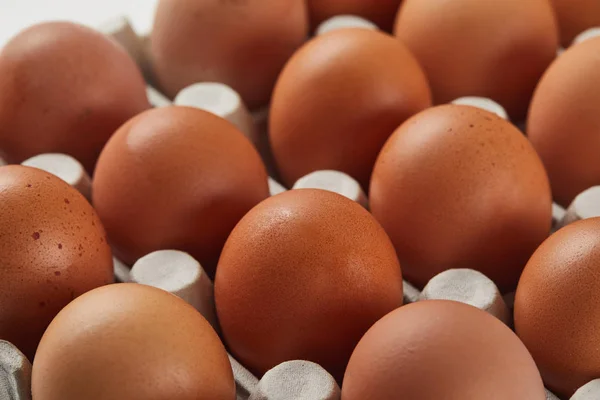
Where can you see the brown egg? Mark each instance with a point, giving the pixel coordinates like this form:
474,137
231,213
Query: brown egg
440,349
381,12
564,121
53,249
557,314
131,342
303,276
176,178
576,16
495,49
339,98
243,44
65,88
459,187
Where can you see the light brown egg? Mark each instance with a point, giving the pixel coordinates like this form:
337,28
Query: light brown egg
176,178
460,187
243,44
576,16
380,12
53,249
557,314
65,88
131,342
440,349
564,121
303,276
497,49
339,98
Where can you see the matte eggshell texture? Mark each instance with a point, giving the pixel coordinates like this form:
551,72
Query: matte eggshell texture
493,49
564,121
243,44
576,16
65,88
460,187
438,349
176,178
380,12
557,314
302,277
131,342
339,98
53,249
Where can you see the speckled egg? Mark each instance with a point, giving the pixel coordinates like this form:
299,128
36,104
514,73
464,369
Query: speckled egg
380,12
438,349
131,342
302,277
564,121
53,249
65,88
176,178
243,44
339,98
493,49
459,187
557,314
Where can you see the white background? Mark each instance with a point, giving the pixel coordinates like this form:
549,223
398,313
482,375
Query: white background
18,14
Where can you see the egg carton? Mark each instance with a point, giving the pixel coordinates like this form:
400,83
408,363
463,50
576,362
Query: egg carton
180,274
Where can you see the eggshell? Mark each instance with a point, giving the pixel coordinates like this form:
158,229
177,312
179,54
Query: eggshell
381,12
575,16
441,349
564,121
243,44
495,49
339,98
557,314
65,88
176,178
302,277
459,187
131,342
53,249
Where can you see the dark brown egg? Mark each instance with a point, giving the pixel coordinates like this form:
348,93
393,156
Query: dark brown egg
380,12
131,342
303,276
576,16
65,88
53,249
176,178
459,187
496,49
564,121
339,98
557,314
439,349
243,44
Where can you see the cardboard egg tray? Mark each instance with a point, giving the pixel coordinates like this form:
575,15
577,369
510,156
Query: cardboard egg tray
294,379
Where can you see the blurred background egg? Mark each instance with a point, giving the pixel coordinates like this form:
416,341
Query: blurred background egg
459,187
339,98
576,16
438,349
494,49
303,276
65,88
557,314
133,342
243,44
176,178
380,12
564,122
53,249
